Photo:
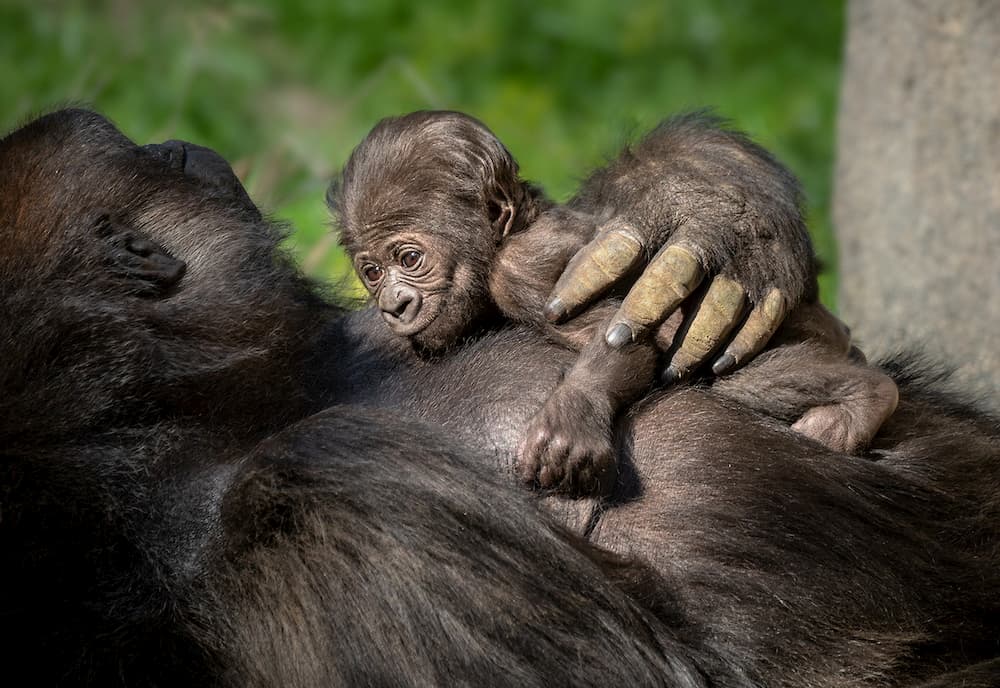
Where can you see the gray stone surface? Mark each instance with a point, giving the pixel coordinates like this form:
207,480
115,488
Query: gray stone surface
917,196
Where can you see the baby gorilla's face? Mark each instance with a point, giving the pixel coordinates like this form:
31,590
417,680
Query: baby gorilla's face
425,288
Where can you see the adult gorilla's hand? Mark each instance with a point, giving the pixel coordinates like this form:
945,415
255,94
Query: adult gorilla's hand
717,223
668,280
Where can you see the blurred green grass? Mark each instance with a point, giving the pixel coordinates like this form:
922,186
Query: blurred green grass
286,89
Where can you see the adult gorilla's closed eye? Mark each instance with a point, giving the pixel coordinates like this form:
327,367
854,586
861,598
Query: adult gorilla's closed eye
152,535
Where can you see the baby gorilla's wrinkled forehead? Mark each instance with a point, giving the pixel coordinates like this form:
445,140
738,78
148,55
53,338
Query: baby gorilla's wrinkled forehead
411,197
399,215
426,171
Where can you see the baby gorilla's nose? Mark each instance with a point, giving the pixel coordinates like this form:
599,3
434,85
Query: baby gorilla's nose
400,304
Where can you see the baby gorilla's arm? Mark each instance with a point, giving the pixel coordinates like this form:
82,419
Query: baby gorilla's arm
568,445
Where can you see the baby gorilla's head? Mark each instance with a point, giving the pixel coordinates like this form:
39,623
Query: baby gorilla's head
423,204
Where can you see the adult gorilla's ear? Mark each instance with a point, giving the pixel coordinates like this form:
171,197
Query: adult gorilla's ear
148,269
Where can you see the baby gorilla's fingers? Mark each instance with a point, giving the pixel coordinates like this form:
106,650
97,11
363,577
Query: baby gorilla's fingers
760,325
567,446
720,310
553,461
671,276
530,454
595,268
543,456
590,469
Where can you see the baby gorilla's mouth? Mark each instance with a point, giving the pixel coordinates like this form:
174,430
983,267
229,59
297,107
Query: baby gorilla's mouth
404,328
411,316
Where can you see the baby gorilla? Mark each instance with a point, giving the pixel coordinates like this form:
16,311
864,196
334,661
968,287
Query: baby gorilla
448,238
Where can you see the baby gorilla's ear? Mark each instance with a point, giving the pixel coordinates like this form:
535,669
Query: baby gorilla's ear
497,170
501,212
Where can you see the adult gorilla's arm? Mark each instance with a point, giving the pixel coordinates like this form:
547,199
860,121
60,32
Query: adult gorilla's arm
694,200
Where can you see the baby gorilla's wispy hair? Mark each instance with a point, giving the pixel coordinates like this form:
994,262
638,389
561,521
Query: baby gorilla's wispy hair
444,160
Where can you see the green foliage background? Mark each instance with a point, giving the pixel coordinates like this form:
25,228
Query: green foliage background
286,89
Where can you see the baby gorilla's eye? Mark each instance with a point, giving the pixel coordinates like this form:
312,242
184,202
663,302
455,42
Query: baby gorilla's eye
372,273
410,258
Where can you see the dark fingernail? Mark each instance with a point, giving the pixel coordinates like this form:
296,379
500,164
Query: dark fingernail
723,364
619,335
670,376
554,310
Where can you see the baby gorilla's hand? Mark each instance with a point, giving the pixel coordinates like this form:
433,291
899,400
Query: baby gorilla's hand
568,444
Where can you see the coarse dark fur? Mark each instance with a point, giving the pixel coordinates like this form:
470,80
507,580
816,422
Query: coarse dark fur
173,515
150,538
801,566
448,237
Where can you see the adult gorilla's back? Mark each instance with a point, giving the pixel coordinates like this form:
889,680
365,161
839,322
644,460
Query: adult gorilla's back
172,514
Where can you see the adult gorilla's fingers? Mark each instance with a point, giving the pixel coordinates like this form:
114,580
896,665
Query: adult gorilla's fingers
718,313
761,324
596,267
671,276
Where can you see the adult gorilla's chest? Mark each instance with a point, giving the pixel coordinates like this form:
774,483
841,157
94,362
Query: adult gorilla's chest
483,393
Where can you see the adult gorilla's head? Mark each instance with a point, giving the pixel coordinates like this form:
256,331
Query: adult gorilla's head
151,332
161,282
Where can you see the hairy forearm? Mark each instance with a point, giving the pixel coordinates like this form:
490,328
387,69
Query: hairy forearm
716,192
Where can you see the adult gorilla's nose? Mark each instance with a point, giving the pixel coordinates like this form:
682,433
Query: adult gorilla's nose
171,152
399,304
202,164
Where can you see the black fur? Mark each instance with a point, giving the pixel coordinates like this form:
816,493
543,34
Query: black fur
172,513
439,189
152,538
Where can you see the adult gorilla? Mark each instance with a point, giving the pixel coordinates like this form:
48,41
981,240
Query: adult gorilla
172,514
